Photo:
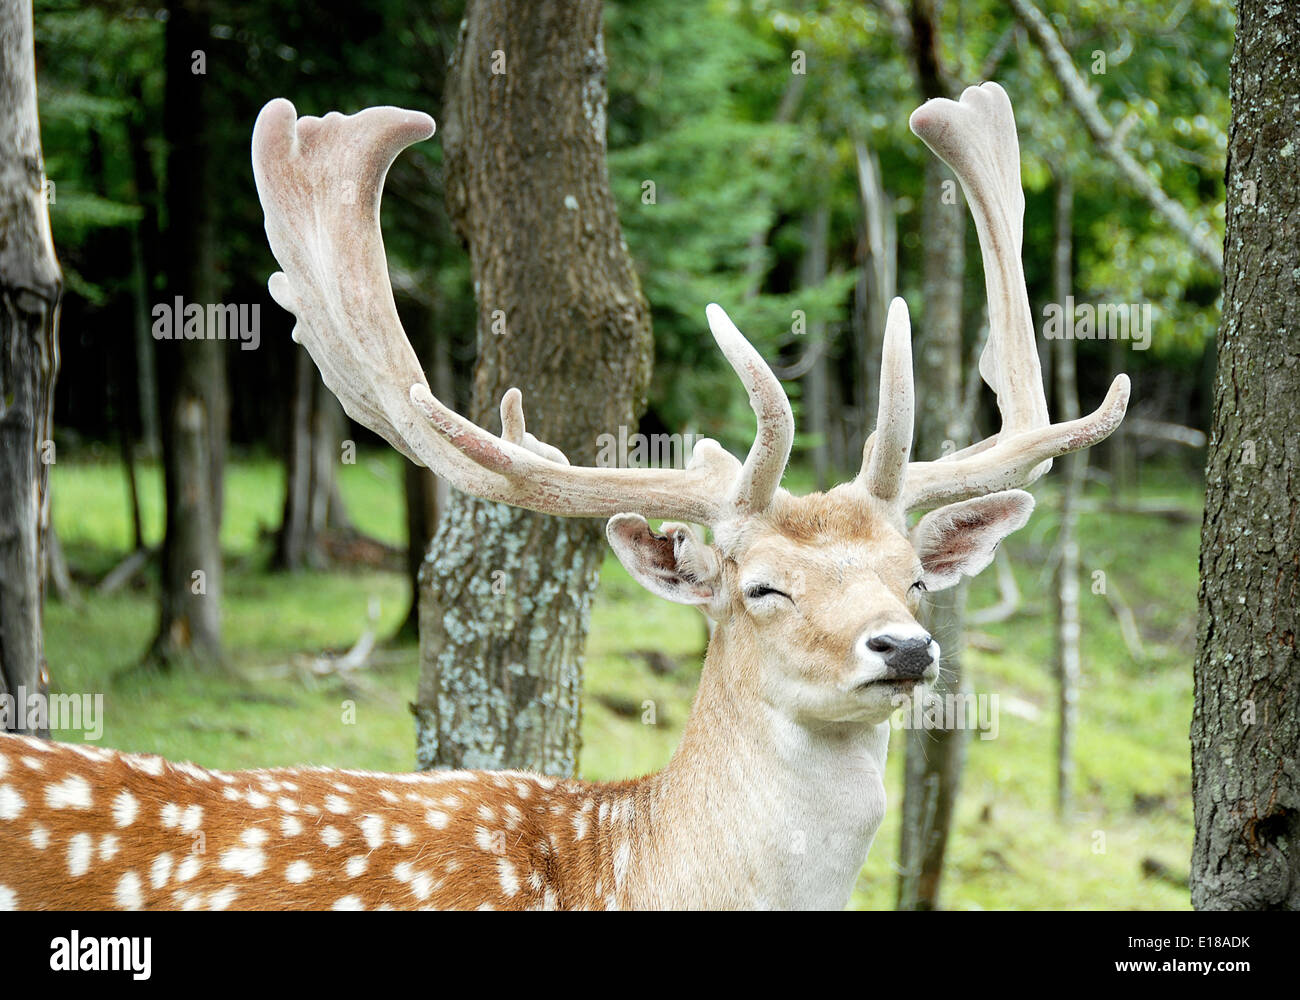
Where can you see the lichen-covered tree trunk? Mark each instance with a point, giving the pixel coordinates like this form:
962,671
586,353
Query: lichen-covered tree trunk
1245,730
30,287
192,373
506,594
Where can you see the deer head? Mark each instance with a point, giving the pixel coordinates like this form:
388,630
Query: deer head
815,597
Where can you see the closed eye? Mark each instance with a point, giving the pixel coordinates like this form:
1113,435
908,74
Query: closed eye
756,590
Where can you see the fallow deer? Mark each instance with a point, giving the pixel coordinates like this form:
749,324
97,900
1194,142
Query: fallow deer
775,792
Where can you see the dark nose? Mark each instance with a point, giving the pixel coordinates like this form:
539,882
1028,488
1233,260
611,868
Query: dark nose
905,659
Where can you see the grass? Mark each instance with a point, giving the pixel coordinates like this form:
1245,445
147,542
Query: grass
1007,850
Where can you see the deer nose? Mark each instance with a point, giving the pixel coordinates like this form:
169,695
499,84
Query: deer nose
906,657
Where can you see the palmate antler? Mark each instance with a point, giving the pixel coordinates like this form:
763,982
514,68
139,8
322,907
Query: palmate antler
976,136
320,179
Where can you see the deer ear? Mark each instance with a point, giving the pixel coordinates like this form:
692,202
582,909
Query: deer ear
674,563
961,538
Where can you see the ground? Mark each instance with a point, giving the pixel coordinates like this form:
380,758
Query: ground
1008,851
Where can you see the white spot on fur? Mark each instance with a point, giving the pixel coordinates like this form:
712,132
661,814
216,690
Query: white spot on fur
254,836
348,903
160,871
125,808
191,818
40,837
336,805
509,878
32,763
372,828
402,835
73,792
247,861
579,826
222,898
422,886
128,895
290,826
357,865
256,799
287,804
437,820
108,846
80,850
188,868
298,871
331,836
11,803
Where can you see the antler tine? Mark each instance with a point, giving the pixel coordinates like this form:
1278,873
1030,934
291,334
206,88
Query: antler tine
320,180
884,457
765,464
976,136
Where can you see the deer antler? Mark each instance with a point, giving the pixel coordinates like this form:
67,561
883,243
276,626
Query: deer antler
976,136
320,180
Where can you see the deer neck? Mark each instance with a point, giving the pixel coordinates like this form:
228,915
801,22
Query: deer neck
757,809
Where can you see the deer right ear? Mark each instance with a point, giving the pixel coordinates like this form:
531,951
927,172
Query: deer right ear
674,563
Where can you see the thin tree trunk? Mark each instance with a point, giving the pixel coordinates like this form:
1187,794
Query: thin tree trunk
816,408
877,281
504,609
1245,730
192,372
1075,466
935,757
30,288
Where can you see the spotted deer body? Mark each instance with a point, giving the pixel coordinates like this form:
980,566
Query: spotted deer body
775,791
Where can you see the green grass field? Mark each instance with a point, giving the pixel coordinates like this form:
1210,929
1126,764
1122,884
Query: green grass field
1008,850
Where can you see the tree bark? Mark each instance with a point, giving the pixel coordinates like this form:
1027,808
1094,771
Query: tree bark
1245,732
31,285
192,373
505,603
935,757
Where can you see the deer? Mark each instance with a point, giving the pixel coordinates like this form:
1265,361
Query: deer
775,792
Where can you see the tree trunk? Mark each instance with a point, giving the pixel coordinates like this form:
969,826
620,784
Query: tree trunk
426,494
1245,730
30,288
935,757
1075,466
192,373
816,401
877,280
504,607
311,498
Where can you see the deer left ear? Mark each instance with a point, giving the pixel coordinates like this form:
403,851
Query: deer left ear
961,538
674,562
